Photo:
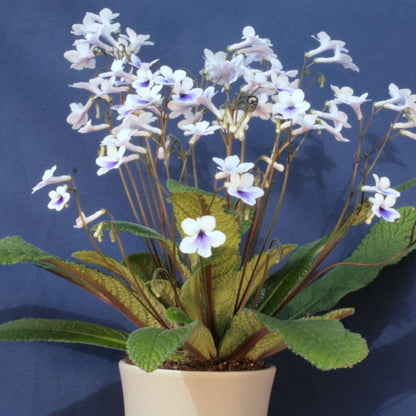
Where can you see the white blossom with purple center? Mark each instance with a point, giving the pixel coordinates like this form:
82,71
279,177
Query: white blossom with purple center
290,105
382,207
114,159
241,186
201,236
59,198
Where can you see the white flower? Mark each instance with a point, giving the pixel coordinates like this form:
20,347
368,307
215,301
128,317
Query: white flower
133,42
59,198
201,128
205,99
79,114
82,57
382,186
255,48
338,58
345,95
48,178
241,186
122,139
231,165
222,71
114,159
79,222
326,44
201,236
144,97
167,76
382,207
290,105
400,99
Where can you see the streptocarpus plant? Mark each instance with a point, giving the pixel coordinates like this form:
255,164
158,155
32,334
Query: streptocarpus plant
208,287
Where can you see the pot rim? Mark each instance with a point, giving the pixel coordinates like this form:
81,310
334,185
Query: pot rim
132,367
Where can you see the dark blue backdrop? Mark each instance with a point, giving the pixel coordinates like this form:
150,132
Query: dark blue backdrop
54,380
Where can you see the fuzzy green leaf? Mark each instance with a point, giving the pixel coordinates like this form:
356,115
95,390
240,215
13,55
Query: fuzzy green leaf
56,330
142,309
325,343
178,315
257,269
383,242
282,283
224,262
248,338
132,228
148,348
15,250
142,264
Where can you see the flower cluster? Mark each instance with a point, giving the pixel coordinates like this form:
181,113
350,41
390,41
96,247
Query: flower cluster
206,279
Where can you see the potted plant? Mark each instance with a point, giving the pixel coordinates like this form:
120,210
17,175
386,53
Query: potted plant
210,294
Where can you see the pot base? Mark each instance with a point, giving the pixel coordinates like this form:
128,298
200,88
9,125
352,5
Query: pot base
195,393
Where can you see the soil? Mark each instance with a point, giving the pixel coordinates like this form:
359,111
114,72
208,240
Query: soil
215,365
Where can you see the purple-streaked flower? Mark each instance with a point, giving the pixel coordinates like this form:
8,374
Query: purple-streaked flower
382,207
345,95
166,76
200,236
326,44
48,178
382,186
59,198
241,186
114,159
82,219
201,128
290,105
145,97
401,98
231,165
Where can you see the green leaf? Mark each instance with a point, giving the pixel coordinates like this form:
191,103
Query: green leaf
142,308
383,242
282,283
178,315
63,331
143,264
325,343
148,348
15,250
224,262
132,228
257,269
406,185
247,337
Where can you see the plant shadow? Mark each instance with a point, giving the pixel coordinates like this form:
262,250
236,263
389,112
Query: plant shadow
108,401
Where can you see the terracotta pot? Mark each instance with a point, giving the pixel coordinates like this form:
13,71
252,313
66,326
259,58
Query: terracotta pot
195,393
